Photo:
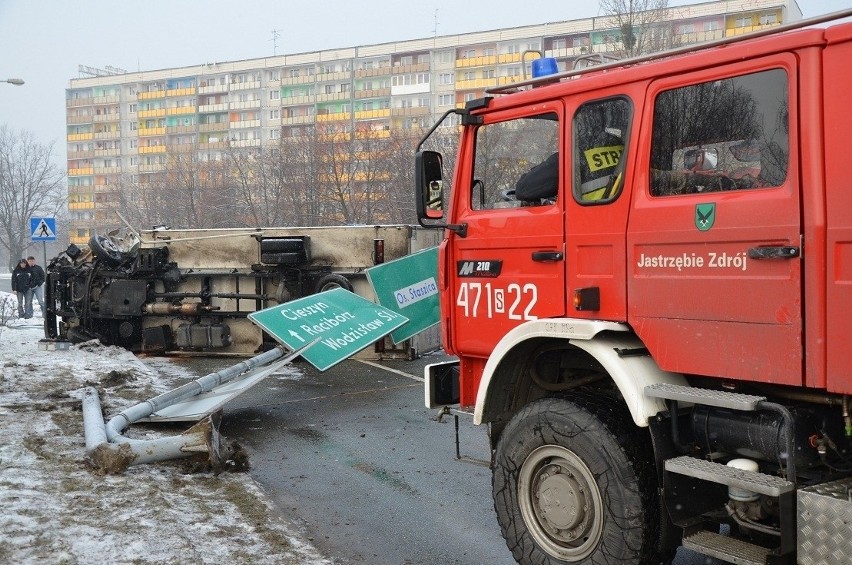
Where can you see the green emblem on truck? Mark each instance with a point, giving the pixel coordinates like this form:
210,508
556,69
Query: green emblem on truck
705,216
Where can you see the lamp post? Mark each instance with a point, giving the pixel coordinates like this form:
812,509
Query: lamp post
15,81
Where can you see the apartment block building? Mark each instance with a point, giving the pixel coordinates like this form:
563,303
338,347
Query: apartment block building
121,127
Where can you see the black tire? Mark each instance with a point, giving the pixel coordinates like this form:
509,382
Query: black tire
332,281
573,482
105,249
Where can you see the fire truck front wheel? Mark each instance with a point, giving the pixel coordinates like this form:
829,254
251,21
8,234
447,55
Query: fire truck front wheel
573,483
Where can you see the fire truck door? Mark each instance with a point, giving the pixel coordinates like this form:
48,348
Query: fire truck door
714,272
510,266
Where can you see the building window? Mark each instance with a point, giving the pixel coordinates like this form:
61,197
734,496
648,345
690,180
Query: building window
743,22
768,19
445,100
275,94
711,26
470,75
445,78
274,114
559,44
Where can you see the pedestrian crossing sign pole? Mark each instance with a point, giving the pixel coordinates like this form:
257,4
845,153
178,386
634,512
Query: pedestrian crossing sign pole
43,230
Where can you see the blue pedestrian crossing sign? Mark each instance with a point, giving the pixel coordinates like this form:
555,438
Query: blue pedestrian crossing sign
43,229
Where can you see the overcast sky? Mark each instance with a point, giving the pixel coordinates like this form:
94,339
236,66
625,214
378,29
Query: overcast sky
44,41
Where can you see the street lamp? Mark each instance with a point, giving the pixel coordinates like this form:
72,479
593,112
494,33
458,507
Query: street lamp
15,81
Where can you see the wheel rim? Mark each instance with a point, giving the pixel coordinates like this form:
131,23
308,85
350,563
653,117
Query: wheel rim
560,503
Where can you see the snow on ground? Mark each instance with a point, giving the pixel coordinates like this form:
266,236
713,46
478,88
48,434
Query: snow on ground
57,507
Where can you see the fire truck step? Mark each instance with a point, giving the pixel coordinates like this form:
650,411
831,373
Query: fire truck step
761,483
728,549
708,397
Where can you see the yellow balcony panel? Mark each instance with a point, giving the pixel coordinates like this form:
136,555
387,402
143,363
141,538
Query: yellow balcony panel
509,58
80,136
81,205
107,170
476,83
372,114
190,91
151,131
378,134
336,117
84,171
151,95
155,113
180,111
152,149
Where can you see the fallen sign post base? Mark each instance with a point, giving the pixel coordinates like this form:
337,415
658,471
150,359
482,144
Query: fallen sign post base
111,452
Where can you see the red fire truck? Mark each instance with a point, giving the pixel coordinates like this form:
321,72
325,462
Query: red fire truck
647,280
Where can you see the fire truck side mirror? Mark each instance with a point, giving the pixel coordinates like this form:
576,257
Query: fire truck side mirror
429,185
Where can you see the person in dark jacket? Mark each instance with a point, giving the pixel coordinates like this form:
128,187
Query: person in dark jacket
21,278
36,281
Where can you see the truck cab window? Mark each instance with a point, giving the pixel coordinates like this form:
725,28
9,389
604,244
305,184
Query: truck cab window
600,133
728,134
516,164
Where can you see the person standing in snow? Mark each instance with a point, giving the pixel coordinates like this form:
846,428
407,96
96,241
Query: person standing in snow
21,277
37,279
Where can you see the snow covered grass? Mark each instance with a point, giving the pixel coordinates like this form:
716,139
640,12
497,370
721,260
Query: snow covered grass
57,507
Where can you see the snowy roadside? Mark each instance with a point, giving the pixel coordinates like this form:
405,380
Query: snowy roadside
56,507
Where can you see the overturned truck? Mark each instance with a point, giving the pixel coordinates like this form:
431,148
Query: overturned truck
164,290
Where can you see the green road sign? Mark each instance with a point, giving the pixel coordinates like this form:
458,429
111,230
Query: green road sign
409,287
344,323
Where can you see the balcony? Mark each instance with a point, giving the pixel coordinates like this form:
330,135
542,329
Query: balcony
154,94
222,107
180,111
105,152
76,120
99,100
334,117
245,105
297,100
77,102
108,134
413,111
180,129
218,126
152,168
476,84
406,69
155,113
297,120
301,79
81,154
509,58
212,87
567,52
81,172
189,91
107,170
213,145
102,118
482,61
332,96
245,124
80,136
147,132
333,77
252,85
152,149
81,205
373,93
373,134
372,114
375,72
181,147
245,143
748,29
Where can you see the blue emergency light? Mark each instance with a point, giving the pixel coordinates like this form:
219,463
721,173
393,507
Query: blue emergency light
544,66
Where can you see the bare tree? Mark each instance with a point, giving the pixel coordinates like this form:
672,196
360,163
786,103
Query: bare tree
638,22
30,186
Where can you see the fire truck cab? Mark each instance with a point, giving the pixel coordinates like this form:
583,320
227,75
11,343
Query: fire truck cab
646,278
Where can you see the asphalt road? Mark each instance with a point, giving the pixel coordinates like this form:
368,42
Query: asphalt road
353,457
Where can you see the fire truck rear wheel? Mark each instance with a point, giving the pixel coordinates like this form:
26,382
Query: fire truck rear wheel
573,483
332,281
